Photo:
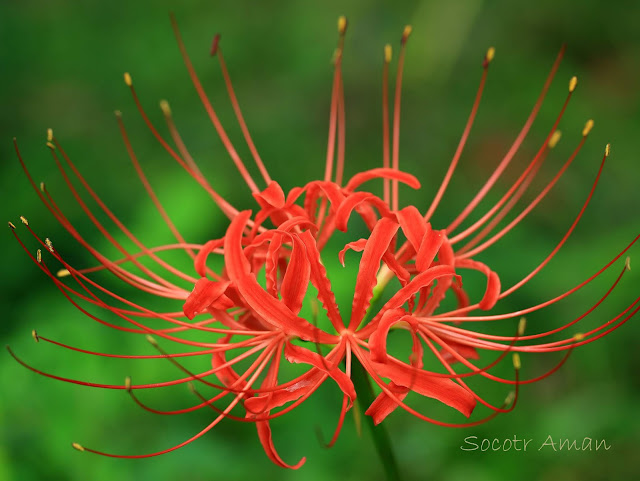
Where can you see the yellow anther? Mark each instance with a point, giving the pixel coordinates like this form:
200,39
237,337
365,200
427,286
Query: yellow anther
42,186
63,273
491,52
587,128
51,146
572,83
127,79
406,32
510,397
77,446
117,113
12,225
49,135
151,340
34,334
39,256
164,106
24,220
342,24
607,150
49,244
387,53
578,337
516,361
555,138
522,325
627,263
127,383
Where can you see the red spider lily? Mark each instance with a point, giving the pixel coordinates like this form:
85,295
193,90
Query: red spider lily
248,313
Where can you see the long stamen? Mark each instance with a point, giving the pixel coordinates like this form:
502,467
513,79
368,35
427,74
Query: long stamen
385,119
514,147
210,111
550,142
335,98
217,52
465,135
395,157
535,201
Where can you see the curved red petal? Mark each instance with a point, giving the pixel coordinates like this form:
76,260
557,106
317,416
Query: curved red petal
382,173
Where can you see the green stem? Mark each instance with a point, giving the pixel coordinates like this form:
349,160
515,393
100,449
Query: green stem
380,436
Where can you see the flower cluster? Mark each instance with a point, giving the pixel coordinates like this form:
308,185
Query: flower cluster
247,314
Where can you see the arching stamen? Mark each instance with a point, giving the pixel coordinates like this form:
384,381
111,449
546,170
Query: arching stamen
514,147
535,201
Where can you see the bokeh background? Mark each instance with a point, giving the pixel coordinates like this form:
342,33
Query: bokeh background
62,65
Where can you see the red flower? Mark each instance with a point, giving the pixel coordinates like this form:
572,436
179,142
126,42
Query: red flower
247,314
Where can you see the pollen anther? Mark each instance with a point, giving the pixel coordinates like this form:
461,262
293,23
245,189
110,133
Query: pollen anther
24,220
127,79
587,128
77,446
572,83
522,325
63,273
555,138
34,334
516,361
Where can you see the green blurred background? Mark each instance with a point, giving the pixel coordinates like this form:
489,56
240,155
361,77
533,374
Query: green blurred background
62,65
